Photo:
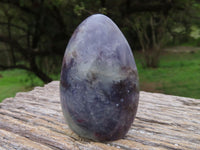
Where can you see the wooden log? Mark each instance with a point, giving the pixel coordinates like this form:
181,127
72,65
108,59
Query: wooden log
33,120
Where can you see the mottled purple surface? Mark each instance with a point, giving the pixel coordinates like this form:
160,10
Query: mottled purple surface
99,81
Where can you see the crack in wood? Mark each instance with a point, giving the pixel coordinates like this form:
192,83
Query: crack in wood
152,121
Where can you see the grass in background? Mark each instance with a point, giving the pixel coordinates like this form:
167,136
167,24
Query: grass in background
177,74
13,81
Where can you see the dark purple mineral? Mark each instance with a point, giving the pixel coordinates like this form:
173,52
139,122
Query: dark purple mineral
99,81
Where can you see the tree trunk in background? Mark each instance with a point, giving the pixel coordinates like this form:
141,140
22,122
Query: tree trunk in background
34,68
10,37
150,31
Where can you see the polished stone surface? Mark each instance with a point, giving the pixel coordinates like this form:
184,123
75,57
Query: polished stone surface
99,81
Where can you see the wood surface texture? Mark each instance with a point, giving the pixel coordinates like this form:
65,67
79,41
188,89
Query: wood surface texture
34,120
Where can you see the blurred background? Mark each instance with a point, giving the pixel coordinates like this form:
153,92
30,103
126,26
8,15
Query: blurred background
164,36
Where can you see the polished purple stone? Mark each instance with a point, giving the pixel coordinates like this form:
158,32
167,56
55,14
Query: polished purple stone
99,81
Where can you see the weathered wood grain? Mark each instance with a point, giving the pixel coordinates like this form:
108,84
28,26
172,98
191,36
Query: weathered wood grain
33,120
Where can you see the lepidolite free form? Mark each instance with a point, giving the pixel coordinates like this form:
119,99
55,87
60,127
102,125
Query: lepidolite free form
99,81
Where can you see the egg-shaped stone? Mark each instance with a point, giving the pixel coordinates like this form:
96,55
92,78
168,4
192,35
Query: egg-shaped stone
99,81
